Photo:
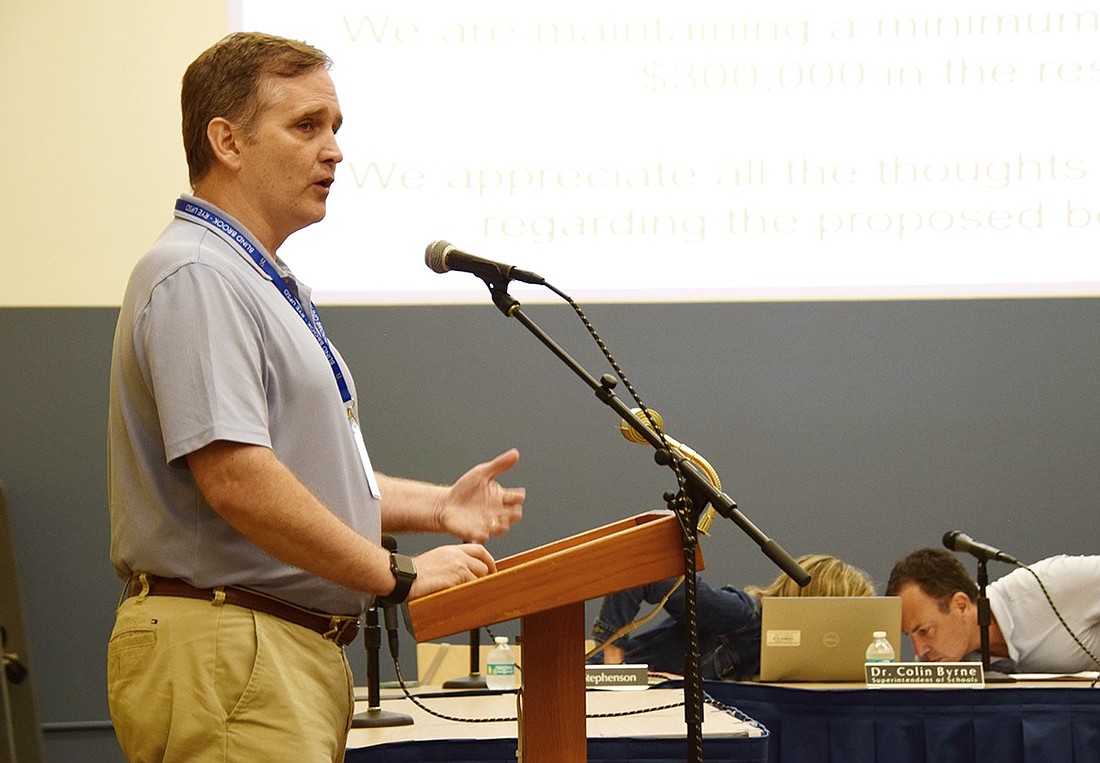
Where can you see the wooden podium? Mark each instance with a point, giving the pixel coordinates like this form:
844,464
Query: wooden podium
546,588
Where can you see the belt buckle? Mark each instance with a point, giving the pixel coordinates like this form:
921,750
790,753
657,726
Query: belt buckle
338,626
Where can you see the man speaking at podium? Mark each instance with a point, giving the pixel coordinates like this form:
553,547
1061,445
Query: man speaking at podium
939,612
245,514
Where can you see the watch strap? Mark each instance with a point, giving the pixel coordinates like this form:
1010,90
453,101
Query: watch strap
404,580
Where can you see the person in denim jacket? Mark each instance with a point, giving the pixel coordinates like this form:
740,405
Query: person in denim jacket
729,620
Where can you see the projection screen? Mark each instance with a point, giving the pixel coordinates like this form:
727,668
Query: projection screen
645,151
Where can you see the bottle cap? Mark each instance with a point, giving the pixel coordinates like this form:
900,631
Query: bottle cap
879,634
504,639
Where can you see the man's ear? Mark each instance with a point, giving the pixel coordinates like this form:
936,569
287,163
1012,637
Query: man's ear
224,137
961,602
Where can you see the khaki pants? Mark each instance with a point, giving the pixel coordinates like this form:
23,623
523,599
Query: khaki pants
191,680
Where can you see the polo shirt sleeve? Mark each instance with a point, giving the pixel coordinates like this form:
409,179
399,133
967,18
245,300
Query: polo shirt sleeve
203,354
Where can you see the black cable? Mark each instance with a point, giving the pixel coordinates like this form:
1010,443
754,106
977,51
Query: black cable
413,698
621,374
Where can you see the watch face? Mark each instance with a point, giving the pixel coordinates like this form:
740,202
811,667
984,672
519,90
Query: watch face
403,565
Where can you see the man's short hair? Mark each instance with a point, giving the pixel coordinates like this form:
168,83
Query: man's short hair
937,571
227,79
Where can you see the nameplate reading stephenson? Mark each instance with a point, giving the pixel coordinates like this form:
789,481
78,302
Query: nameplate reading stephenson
616,676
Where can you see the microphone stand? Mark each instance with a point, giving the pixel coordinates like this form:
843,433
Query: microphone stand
474,680
14,671
984,615
374,716
697,491
985,618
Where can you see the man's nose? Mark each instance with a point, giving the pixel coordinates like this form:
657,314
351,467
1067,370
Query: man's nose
332,152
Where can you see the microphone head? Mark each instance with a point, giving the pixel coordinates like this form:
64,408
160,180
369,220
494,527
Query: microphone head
949,539
631,433
435,256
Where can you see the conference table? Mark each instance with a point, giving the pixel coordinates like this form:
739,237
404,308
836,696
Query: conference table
1021,722
481,726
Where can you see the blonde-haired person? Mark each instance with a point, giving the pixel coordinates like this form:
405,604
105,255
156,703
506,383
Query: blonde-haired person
729,619
830,577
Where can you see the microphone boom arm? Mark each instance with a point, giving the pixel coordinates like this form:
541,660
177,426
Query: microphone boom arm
697,482
696,489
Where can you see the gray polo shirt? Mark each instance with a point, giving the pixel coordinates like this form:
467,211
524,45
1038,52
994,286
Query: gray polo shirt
206,348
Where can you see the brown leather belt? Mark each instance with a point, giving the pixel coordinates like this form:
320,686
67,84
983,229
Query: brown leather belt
339,628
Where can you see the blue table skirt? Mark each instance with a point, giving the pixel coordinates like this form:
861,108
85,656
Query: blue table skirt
1002,725
624,750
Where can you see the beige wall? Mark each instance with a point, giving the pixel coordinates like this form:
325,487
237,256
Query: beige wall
90,151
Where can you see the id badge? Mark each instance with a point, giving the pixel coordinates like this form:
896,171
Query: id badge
368,470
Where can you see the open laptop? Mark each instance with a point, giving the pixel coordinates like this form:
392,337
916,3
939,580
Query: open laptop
823,638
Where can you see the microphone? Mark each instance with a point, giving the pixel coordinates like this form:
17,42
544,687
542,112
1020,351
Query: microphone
957,540
443,257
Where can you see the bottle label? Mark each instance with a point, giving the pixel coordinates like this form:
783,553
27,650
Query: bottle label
504,670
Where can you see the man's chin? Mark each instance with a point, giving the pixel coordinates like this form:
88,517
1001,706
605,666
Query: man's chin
316,215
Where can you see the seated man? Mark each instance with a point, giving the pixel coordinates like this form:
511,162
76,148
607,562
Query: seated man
939,612
729,620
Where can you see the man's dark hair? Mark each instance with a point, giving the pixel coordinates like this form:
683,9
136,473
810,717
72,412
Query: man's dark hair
226,81
937,571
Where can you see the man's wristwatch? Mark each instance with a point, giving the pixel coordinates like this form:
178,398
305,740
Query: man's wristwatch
404,570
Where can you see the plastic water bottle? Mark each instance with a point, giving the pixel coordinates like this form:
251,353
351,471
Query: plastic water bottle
500,666
880,649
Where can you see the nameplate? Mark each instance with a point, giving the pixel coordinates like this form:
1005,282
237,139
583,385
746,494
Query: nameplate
616,676
924,675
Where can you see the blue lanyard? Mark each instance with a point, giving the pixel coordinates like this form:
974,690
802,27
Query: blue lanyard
220,225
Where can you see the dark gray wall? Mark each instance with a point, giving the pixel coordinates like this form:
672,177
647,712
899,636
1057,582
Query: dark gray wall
857,428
